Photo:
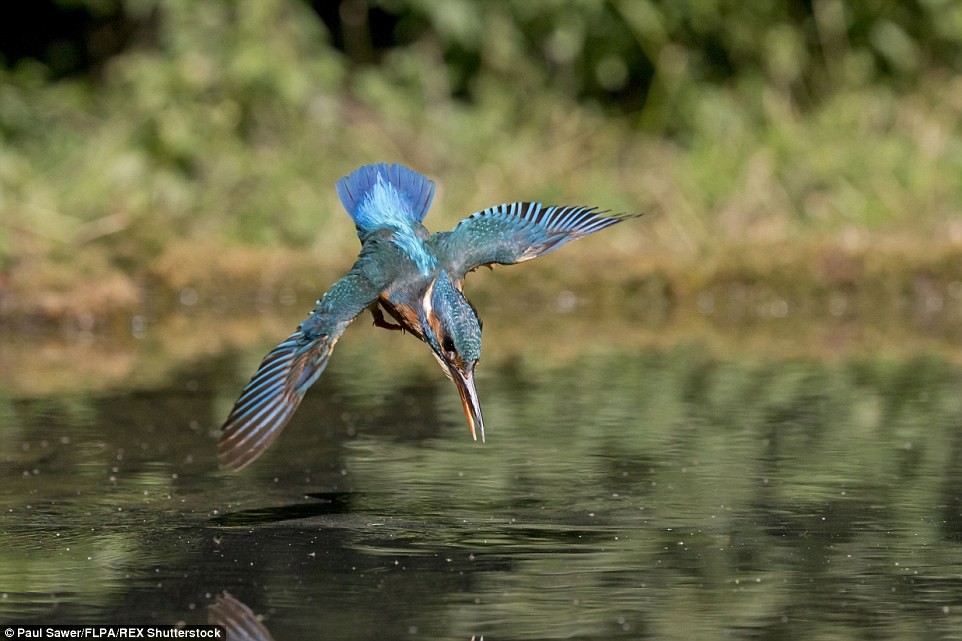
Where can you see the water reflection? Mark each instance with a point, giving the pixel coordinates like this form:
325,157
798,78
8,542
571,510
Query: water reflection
239,621
653,493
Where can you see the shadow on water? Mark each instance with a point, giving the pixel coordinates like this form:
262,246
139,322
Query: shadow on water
328,503
652,493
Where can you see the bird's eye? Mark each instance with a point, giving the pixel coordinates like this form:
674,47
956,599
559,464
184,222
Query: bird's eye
447,344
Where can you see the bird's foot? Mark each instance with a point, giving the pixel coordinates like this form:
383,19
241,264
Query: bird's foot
380,321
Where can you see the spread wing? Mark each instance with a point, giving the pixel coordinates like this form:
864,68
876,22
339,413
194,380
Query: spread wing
516,232
270,398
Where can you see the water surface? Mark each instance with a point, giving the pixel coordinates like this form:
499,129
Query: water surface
625,492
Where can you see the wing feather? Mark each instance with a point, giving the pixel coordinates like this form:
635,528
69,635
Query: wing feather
273,394
516,232
270,398
239,621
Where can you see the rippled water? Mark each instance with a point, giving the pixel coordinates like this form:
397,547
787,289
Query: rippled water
628,492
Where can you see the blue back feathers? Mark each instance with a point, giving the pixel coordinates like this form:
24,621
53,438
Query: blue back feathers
385,195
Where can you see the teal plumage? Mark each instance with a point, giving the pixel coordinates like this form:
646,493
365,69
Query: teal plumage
415,277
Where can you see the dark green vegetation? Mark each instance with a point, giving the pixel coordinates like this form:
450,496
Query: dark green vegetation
207,130
623,493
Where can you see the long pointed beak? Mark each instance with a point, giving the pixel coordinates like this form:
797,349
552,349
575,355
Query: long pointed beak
469,400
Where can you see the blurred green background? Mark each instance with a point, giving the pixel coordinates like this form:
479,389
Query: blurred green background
153,145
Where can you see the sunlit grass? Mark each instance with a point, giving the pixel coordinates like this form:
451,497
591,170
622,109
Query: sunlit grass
166,173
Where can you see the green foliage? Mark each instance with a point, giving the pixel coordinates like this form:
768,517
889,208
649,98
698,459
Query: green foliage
649,54
231,120
204,134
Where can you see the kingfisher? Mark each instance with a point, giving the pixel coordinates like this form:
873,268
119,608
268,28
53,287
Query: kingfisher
413,276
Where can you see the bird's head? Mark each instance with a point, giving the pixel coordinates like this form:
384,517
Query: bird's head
453,331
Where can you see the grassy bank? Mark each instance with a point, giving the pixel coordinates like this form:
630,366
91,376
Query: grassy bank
198,308
884,284
199,165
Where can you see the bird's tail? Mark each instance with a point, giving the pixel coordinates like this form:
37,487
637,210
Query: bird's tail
414,190
268,401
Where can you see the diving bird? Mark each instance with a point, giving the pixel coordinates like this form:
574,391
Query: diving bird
414,276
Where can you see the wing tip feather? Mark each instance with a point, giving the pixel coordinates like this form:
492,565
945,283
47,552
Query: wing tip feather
270,399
